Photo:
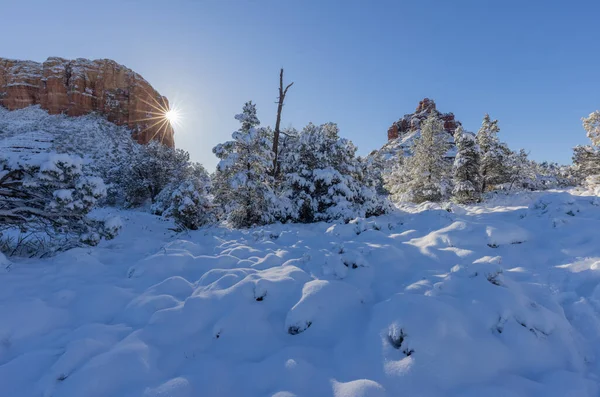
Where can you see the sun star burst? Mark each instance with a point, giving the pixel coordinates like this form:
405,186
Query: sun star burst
172,115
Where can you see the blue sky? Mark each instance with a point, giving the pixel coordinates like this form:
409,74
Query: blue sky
363,64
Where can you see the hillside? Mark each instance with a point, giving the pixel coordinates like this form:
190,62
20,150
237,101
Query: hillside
32,130
402,133
496,299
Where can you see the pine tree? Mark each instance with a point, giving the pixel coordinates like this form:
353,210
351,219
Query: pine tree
322,178
587,158
397,179
422,177
494,154
521,171
466,178
591,124
370,170
243,184
373,195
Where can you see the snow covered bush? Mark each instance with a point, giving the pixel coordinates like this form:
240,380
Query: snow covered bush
243,184
44,202
370,170
522,173
323,181
187,201
551,175
593,183
422,176
149,169
466,178
287,142
373,196
106,147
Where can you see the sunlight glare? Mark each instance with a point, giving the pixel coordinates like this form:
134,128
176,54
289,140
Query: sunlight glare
172,115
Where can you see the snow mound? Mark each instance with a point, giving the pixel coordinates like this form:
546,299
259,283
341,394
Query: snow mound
323,308
410,303
505,233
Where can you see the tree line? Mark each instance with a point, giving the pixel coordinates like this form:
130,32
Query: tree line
267,175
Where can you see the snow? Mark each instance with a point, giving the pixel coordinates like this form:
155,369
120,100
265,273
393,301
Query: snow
493,299
4,262
31,130
63,194
403,145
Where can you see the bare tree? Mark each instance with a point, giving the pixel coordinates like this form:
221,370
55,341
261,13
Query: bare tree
282,93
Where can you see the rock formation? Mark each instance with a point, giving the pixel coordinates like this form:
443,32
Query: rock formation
81,86
411,122
402,133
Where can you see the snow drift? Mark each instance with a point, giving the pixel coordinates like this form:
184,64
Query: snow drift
499,300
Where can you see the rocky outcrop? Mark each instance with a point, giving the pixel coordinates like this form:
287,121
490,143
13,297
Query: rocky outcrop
403,133
81,86
412,122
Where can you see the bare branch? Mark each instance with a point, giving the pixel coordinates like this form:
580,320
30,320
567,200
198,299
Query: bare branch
287,88
277,131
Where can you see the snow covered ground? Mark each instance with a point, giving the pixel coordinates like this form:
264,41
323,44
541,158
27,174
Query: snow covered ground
499,299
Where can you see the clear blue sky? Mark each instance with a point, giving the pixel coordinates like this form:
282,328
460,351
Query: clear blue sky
532,64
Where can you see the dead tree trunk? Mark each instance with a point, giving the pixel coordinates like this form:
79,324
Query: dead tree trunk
282,93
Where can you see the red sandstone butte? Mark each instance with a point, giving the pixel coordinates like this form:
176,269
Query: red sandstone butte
81,86
411,122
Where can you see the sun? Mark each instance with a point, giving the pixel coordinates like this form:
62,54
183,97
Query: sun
159,117
172,115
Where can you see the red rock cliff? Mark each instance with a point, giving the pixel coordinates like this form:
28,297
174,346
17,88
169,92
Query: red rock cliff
80,86
411,122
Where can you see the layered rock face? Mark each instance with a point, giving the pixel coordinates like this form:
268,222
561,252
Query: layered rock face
81,86
412,122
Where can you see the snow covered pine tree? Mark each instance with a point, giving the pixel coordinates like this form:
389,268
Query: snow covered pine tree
520,171
422,176
322,180
587,158
243,184
466,178
494,155
591,124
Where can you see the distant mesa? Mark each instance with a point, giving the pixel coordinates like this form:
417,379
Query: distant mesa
81,86
412,122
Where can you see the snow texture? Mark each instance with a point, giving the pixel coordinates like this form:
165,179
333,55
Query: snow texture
31,130
494,299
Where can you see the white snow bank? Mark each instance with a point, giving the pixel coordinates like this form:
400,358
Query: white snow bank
506,233
422,303
324,307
